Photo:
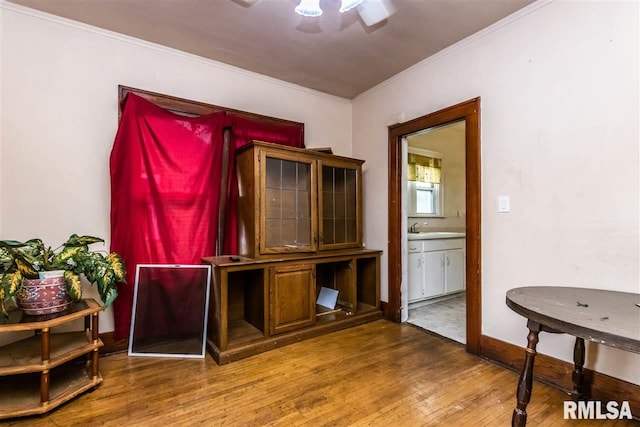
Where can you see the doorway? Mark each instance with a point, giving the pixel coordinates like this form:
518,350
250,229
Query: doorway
435,212
469,112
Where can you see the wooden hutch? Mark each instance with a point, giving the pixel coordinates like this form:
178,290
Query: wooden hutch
299,229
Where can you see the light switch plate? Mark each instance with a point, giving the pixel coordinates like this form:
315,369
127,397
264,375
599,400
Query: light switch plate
503,204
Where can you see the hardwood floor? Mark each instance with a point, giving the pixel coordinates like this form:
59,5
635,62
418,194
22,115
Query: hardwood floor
377,374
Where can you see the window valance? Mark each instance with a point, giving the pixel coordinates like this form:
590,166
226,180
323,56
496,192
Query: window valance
424,168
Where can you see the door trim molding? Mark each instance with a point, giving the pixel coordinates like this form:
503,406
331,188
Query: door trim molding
470,112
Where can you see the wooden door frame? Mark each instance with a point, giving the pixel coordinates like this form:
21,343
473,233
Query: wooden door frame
470,112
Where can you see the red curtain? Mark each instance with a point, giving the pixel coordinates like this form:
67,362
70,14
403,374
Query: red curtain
164,205
165,193
244,130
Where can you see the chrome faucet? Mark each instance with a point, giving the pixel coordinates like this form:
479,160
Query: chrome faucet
412,229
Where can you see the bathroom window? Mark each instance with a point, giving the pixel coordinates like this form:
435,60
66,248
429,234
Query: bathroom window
424,177
424,199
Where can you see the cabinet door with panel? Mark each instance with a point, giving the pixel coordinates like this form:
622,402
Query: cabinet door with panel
434,273
292,297
454,265
415,276
339,203
288,191
415,271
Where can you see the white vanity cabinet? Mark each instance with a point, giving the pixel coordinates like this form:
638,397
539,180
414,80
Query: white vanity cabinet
436,267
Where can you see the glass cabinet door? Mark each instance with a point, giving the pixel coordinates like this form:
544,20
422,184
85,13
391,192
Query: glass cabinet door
288,202
340,225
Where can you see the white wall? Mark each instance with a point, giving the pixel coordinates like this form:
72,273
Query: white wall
58,119
560,135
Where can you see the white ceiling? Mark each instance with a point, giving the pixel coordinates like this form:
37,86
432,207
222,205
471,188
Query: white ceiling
335,53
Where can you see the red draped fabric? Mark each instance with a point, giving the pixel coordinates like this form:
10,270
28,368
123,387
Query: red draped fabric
165,175
164,205
244,130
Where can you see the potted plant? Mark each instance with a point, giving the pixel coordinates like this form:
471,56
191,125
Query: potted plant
26,268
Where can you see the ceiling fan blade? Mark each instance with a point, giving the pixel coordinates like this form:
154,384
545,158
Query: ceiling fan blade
373,12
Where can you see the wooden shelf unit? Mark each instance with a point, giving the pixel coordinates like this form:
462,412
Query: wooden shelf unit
299,229
254,310
41,372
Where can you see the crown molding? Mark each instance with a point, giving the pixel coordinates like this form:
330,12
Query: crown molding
15,8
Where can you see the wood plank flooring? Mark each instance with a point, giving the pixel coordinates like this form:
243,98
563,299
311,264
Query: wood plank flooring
377,374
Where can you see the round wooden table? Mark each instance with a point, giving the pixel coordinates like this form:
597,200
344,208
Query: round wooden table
601,316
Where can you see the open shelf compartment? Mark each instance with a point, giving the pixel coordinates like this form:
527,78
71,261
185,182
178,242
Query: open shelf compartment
246,306
20,394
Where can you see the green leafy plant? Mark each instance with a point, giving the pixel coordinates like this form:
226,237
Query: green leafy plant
20,260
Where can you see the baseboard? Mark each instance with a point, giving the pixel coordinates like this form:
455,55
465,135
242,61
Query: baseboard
112,345
557,373
384,307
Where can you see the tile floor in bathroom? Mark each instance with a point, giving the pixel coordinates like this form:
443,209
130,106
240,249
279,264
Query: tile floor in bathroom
446,318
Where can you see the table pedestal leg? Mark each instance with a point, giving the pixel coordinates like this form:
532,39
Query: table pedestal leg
578,372
525,383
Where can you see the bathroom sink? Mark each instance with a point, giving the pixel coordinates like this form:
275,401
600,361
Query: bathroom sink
436,235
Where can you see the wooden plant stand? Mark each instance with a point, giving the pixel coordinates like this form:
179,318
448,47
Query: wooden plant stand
41,372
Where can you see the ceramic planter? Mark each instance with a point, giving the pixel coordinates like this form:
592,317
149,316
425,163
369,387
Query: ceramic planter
45,296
